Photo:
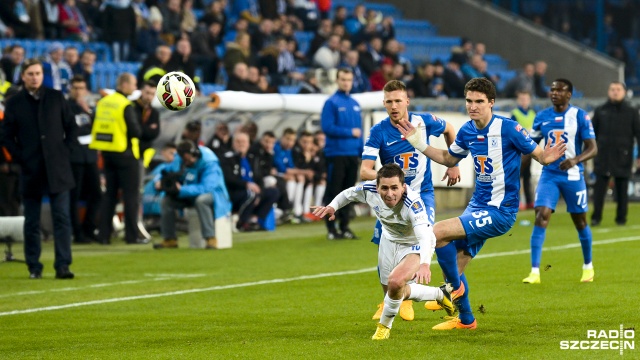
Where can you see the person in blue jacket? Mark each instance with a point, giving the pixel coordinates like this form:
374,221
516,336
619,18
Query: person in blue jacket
342,123
200,185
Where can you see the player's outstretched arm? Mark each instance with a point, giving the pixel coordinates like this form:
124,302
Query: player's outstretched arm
417,140
322,211
550,153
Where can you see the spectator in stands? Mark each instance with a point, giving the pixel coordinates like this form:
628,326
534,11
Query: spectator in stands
371,58
143,13
252,202
36,24
14,16
239,51
321,37
193,131
221,141
50,16
11,63
328,55
188,20
253,76
149,37
85,67
5,31
345,46
299,57
523,82
420,85
280,64
10,197
204,43
525,115
387,29
56,71
84,164
342,123
306,159
383,75
74,25
472,68
264,36
453,79
356,20
154,67
182,60
46,168
71,57
120,153
340,15
398,73
307,12
310,83
149,120
539,79
616,123
215,13
360,81
122,36
480,49
200,186
238,80
171,21
248,10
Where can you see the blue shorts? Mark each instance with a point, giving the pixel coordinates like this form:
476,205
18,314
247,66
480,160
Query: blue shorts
429,201
481,224
551,185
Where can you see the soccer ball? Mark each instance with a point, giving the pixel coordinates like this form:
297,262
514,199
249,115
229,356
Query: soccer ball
175,91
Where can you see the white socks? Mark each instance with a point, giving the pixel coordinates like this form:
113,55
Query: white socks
535,270
389,311
421,292
319,194
588,266
306,202
297,199
291,190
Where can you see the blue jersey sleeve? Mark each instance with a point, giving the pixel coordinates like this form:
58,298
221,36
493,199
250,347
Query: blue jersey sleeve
373,144
520,138
435,125
459,148
536,131
585,126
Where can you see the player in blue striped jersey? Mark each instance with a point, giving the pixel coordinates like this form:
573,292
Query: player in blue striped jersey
564,176
406,244
496,145
386,142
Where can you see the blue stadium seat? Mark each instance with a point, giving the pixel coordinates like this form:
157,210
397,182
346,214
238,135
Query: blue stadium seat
229,36
198,13
304,40
408,28
208,89
289,89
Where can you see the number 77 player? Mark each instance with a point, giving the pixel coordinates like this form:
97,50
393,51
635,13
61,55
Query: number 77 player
496,145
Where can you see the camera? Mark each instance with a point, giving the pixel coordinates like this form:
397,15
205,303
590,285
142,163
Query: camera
168,182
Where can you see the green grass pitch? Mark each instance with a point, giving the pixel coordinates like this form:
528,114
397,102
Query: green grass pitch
291,294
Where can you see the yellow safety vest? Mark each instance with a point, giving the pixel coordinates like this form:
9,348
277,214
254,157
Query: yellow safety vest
109,131
153,72
526,120
3,89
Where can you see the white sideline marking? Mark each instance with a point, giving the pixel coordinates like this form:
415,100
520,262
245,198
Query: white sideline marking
606,230
285,280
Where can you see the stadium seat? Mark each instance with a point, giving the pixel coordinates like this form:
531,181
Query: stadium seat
408,28
289,89
304,40
208,89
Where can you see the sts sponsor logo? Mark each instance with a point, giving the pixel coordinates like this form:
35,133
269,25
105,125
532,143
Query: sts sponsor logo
408,162
484,168
557,134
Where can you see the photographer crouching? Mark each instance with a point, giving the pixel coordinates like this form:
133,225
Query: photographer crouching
193,179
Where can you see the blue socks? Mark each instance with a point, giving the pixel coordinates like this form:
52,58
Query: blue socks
447,259
464,305
537,239
585,240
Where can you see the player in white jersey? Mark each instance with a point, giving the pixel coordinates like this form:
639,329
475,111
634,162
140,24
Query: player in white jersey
386,143
565,176
406,245
496,144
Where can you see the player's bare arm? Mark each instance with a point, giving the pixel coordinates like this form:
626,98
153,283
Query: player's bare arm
550,153
590,151
367,170
453,173
416,140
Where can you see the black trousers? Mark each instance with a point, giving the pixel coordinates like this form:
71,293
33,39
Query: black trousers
9,191
622,197
342,173
61,230
121,173
87,177
247,204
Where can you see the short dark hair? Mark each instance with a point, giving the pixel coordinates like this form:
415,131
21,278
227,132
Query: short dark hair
149,83
306,133
269,134
77,78
188,147
388,171
169,145
624,86
566,82
394,85
30,62
343,70
288,131
481,85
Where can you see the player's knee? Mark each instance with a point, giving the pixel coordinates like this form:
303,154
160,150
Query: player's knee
395,284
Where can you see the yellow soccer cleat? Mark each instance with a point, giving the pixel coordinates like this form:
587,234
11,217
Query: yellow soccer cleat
453,323
406,310
533,278
446,302
587,275
434,306
382,333
378,313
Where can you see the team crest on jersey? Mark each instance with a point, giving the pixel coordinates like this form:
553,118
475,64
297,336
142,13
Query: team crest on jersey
484,168
408,162
417,207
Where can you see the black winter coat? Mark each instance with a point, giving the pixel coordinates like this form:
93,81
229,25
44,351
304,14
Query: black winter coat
39,135
615,126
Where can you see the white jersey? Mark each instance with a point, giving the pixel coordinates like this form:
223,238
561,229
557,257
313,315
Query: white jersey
406,223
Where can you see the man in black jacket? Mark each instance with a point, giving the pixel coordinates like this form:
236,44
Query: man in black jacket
250,201
615,123
38,121
84,164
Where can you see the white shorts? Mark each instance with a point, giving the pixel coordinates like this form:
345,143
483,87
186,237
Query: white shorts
390,254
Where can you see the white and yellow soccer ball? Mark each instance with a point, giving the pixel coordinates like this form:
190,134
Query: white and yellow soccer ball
175,91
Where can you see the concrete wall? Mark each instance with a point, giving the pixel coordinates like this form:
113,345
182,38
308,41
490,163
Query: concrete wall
517,40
